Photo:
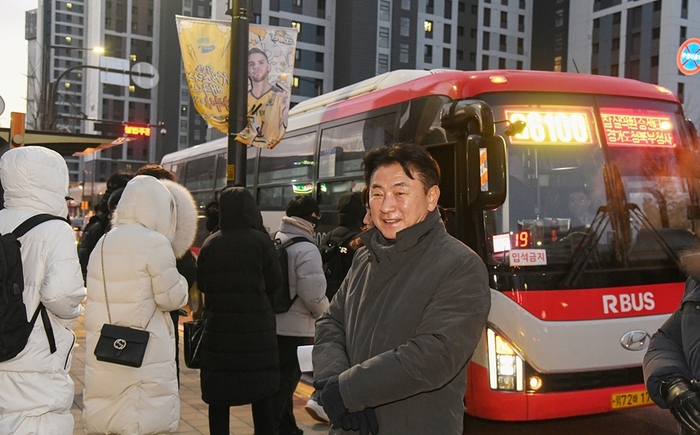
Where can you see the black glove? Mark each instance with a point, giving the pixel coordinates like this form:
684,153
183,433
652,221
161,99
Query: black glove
332,402
683,401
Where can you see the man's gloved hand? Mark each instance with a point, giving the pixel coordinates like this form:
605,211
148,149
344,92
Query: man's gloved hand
683,401
332,401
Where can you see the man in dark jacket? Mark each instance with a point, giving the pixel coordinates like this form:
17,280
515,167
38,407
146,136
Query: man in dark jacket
672,362
391,350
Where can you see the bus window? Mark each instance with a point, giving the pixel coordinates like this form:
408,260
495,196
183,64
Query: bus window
176,169
329,193
221,171
292,161
199,174
275,197
343,147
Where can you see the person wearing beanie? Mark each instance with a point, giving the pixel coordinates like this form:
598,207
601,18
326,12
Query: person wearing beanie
296,326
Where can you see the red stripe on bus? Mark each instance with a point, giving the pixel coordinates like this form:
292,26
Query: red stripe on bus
600,303
459,85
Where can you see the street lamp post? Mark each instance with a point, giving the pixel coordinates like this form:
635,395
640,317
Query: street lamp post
49,99
53,87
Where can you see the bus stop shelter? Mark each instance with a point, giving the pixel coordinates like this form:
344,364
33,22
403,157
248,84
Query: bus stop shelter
66,144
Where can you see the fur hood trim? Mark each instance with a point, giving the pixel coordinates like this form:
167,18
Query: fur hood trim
186,226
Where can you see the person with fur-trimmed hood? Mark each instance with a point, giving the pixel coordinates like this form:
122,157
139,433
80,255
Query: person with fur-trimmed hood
134,267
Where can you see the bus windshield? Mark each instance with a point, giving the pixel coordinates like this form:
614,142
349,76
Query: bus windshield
593,183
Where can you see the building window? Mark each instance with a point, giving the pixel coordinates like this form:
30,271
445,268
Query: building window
448,9
617,17
384,10
486,43
654,61
596,23
475,9
429,6
503,43
684,9
461,7
472,33
406,5
428,54
472,57
405,26
446,33
521,45
683,34
559,18
595,47
521,23
557,63
446,57
296,3
681,91
504,20
614,70
460,31
403,53
383,37
460,55
297,25
484,62
655,33
382,63
522,4
616,44
504,2
274,21
501,63
487,17
519,64
428,27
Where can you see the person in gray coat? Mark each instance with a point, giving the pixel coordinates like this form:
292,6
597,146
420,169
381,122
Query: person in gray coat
308,283
391,351
672,362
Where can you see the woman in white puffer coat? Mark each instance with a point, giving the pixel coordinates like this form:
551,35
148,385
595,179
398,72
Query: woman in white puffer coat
143,286
36,390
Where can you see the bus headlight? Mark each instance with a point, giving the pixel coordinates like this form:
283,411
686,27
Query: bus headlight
505,366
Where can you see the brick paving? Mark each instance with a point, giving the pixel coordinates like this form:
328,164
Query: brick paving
193,411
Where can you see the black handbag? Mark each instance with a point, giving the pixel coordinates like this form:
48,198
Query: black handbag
119,344
194,330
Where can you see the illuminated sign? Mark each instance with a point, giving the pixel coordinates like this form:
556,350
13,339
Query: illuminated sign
136,130
636,127
688,56
554,126
302,189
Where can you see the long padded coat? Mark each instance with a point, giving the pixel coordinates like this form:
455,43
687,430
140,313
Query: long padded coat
143,286
237,271
36,390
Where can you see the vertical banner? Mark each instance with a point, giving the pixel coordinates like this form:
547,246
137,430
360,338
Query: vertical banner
205,46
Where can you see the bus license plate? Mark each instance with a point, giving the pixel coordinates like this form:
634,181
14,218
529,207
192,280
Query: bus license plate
630,400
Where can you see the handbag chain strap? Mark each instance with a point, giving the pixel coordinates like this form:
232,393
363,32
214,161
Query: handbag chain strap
104,279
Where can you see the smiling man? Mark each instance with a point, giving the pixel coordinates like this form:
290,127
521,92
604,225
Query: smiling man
391,351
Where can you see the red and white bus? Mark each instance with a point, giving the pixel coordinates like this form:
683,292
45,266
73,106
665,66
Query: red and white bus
573,304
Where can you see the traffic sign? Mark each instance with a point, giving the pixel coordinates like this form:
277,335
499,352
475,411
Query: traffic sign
688,57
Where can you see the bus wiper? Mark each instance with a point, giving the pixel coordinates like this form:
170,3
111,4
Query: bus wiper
588,245
646,223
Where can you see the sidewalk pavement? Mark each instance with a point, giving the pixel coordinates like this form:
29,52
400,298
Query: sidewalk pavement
193,411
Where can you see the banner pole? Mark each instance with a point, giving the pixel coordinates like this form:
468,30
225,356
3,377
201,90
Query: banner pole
238,93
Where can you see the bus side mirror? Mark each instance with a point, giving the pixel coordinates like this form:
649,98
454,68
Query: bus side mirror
486,171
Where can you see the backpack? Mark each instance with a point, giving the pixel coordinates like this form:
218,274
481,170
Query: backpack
14,326
281,300
337,259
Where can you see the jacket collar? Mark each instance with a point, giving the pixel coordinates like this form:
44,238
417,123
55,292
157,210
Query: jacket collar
406,239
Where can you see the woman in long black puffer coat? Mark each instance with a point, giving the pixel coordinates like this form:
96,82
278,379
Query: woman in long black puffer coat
237,270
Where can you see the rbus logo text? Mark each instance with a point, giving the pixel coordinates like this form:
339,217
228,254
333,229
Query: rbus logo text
625,303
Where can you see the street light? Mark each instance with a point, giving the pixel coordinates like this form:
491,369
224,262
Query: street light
49,97
54,85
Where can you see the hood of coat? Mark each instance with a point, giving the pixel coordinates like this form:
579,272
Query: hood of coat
35,178
147,202
186,219
237,210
